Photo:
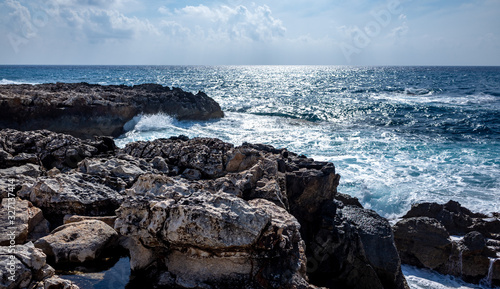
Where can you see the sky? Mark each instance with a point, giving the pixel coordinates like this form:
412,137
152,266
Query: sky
237,32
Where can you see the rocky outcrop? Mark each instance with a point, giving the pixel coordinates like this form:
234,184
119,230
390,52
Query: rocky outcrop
452,240
202,213
24,266
85,110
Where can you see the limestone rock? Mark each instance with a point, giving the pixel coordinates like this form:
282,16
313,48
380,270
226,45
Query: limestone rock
208,156
353,248
24,222
48,149
24,266
72,194
85,110
422,242
77,242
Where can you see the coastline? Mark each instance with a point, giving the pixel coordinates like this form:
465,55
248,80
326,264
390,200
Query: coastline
100,157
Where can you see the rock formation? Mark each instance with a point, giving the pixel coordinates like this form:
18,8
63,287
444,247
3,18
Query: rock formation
452,240
199,212
85,110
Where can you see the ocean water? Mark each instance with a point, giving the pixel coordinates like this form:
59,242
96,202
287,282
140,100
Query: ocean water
397,135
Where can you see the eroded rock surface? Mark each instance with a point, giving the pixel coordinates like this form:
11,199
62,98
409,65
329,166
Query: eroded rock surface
202,213
24,266
85,110
452,240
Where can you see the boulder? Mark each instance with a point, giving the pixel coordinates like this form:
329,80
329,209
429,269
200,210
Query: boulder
353,248
85,110
24,266
423,239
78,242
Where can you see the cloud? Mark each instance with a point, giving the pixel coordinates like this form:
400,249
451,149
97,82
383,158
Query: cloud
224,23
19,19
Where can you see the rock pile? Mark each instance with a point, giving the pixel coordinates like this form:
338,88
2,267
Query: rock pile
452,240
197,213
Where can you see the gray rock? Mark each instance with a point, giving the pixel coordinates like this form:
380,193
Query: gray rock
24,266
422,242
85,110
71,194
20,227
78,242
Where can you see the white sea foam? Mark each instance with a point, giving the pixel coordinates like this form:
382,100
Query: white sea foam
387,172
427,279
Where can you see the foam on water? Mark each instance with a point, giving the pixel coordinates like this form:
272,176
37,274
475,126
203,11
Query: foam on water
386,171
427,279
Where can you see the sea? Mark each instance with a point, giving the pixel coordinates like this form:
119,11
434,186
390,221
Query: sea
397,135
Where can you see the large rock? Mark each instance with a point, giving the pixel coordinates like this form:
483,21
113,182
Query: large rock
423,242
78,242
85,110
71,194
424,239
24,266
353,248
210,239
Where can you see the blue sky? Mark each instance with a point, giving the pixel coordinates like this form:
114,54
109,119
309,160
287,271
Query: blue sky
330,32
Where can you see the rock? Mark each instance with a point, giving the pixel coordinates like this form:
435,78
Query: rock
186,217
71,194
208,156
108,220
27,222
48,149
422,242
455,218
12,179
85,110
77,242
24,266
353,248
425,242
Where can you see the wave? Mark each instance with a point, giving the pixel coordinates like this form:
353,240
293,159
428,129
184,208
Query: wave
7,81
427,279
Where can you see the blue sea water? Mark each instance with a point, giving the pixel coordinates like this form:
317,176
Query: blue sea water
397,135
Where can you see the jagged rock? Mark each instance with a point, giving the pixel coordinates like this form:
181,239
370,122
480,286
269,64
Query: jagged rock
353,248
423,239
12,179
27,223
85,110
185,217
456,219
77,242
422,242
48,149
24,266
207,155
71,194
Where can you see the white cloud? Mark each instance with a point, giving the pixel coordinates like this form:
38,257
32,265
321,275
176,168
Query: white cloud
224,23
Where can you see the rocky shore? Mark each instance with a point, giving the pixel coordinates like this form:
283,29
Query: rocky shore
201,213
84,110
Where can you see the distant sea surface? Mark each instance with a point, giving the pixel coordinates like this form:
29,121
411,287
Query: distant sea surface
397,135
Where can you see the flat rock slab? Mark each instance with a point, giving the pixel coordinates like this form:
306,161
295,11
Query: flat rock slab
77,242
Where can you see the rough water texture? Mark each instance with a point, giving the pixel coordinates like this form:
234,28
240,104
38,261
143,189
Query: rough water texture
85,110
